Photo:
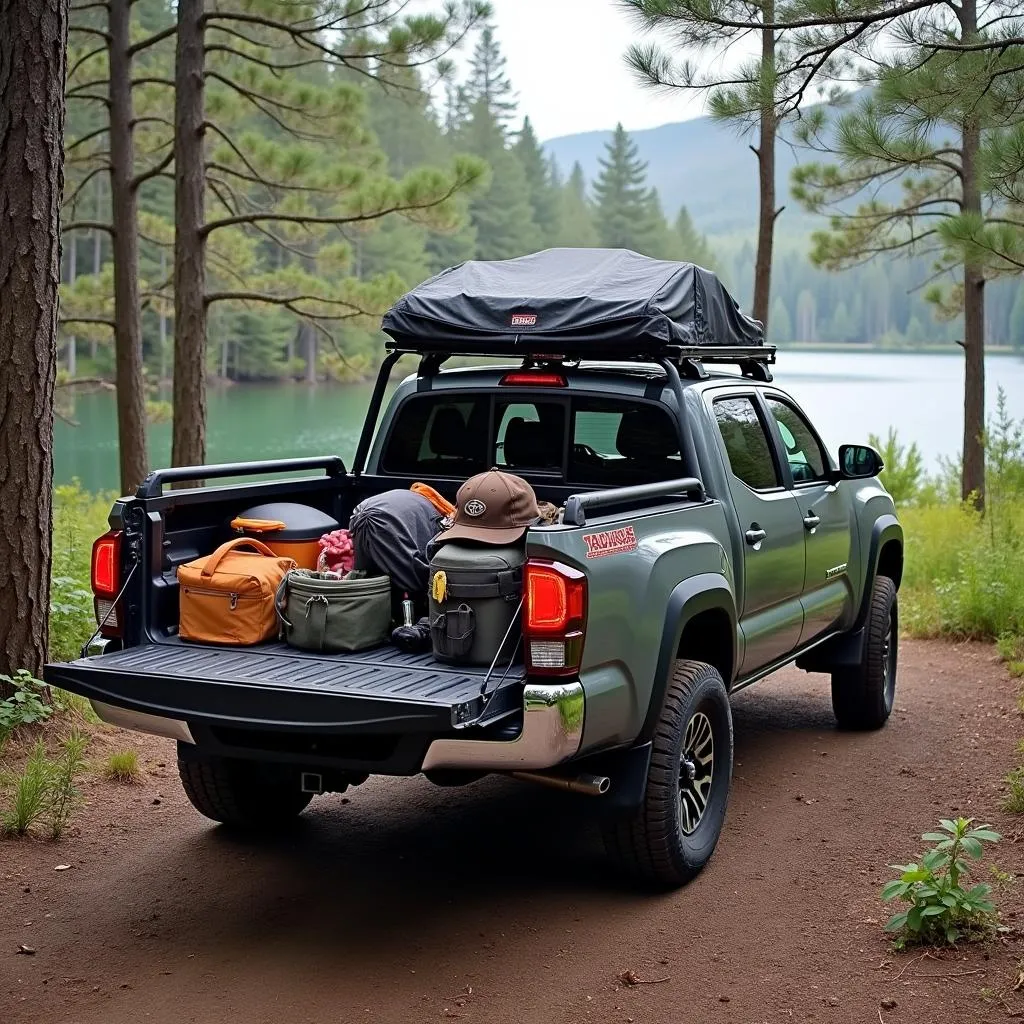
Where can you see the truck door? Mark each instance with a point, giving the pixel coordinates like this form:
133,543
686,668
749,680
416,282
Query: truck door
771,616
825,515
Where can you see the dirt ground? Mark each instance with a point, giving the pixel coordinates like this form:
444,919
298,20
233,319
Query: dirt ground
402,902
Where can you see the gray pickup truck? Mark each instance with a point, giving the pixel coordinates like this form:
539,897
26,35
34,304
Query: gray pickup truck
708,538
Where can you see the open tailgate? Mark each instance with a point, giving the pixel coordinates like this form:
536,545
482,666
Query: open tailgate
378,691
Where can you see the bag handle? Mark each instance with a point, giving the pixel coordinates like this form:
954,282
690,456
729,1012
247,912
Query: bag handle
225,549
241,523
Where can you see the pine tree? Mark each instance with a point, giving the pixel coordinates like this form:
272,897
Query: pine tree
781,330
488,81
543,193
625,208
694,246
503,216
576,216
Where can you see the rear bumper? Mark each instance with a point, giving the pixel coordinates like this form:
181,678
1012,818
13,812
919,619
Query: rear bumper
551,733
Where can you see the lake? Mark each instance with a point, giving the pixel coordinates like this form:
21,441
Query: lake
847,395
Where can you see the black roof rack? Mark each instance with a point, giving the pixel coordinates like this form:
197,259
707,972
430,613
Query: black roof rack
753,360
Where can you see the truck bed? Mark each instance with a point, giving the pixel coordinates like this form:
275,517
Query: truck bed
273,685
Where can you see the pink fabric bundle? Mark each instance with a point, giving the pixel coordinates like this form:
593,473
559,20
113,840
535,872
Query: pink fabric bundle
336,552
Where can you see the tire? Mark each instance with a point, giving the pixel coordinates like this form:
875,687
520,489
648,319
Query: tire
863,695
666,842
243,795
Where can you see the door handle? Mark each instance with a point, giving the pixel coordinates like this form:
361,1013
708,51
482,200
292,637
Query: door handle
811,522
755,535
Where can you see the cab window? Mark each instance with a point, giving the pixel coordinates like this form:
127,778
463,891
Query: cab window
746,443
807,461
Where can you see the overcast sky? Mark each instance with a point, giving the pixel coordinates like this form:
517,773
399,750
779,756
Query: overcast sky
565,61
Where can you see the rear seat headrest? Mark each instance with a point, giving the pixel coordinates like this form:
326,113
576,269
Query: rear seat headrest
528,444
646,433
448,436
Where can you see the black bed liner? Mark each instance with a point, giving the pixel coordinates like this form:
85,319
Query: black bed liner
276,686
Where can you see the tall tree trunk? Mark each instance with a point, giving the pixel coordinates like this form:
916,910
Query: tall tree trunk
188,446
766,172
72,275
311,353
972,481
131,396
163,321
33,57
97,248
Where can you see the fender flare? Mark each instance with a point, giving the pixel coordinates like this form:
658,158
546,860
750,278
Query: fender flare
886,528
709,591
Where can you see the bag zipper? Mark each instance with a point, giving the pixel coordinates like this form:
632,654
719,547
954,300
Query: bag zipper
235,597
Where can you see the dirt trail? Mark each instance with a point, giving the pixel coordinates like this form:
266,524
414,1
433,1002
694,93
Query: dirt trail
401,902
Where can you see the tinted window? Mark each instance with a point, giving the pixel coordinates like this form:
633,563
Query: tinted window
750,454
434,436
804,454
530,435
617,443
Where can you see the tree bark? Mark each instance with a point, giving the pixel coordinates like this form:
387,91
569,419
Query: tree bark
188,446
33,57
97,249
131,396
972,481
766,173
72,275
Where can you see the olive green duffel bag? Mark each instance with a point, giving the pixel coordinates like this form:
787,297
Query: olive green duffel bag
334,615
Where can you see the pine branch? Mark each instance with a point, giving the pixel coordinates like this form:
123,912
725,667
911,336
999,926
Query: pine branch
254,99
157,37
356,218
269,298
98,4
271,66
89,96
151,119
88,320
81,140
153,80
88,30
153,171
72,199
86,225
77,89
84,59
241,156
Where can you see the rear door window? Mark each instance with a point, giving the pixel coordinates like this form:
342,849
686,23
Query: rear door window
530,435
438,436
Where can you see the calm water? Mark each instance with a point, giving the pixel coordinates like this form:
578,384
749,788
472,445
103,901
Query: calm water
848,396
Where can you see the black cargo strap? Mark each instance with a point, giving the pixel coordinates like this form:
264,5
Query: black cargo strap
508,583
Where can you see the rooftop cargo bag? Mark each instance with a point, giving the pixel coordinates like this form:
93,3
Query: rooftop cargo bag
474,595
330,616
289,529
228,597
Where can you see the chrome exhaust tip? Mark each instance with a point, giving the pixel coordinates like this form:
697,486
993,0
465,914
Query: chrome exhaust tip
588,785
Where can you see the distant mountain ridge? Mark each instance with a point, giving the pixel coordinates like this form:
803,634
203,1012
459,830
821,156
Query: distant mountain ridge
699,164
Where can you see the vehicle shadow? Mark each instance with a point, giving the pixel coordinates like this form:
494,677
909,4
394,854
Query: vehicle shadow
399,864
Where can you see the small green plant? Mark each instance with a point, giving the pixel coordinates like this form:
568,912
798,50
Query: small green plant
45,789
941,909
74,705
1011,649
64,796
29,792
1013,802
26,706
123,767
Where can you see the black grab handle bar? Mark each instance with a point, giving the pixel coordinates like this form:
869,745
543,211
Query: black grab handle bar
577,505
152,486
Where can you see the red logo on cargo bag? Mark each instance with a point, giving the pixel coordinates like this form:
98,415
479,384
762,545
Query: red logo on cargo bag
611,542
524,319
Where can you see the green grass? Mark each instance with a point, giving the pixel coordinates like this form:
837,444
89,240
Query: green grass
964,574
123,766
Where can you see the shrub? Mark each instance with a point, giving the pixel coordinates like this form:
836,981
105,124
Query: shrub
123,767
903,476
941,910
26,706
45,789
78,519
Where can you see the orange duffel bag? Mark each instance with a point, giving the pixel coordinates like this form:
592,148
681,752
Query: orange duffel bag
228,597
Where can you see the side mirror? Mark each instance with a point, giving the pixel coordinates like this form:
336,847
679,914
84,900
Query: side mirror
859,461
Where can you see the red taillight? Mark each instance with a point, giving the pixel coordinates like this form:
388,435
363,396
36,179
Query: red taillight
106,580
554,618
528,379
